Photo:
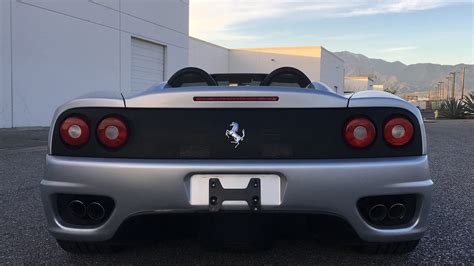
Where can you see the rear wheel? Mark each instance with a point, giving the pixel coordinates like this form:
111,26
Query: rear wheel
88,247
388,248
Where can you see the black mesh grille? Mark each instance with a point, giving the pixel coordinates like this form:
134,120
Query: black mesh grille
269,134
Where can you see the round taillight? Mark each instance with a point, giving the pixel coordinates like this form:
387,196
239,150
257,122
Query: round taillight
112,132
359,132
398,131
74,131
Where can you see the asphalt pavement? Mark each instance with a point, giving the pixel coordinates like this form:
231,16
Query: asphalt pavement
450,239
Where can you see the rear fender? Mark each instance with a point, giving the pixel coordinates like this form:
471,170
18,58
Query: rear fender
98,99
384,99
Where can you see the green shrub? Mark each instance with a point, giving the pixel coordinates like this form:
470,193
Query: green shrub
453,108
469,103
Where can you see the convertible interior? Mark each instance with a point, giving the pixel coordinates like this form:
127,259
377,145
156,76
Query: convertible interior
283,77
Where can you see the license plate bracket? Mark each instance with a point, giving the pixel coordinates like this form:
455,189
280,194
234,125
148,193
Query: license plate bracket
218,194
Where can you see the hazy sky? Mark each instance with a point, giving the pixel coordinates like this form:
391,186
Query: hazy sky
410,31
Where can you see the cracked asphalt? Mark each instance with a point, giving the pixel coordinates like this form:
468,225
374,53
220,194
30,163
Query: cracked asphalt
450,239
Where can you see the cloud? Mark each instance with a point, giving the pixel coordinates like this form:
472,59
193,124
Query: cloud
400,6
400,49
219,20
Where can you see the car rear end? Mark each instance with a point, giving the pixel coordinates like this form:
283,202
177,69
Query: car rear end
305,152
233,155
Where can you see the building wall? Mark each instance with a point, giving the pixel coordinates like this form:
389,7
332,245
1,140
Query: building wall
207,56
378,87
5,65
332,71
53,51
309,51
316,62
267,60
357,84
64,49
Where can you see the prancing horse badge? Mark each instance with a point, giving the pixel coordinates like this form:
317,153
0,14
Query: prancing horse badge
234,133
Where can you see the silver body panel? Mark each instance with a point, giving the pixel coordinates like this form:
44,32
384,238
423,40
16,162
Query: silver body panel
98,99
161,186
288,98
161,97
306,186
385,99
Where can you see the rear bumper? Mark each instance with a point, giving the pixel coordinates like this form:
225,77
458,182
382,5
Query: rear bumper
310,186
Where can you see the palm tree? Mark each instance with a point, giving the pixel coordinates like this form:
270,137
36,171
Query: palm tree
453,108
469,103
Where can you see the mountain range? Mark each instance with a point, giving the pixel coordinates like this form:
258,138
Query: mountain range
405,79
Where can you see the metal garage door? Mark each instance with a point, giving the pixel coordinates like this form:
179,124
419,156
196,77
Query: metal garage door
148,61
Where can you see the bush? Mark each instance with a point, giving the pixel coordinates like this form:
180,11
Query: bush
469,103
454,109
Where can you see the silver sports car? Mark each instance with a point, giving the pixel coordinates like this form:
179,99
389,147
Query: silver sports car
239,160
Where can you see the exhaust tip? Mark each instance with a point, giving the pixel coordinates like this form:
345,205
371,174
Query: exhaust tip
397,211
378,212
95,211
77,208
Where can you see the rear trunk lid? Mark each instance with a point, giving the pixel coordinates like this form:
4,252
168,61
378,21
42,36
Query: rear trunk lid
287,97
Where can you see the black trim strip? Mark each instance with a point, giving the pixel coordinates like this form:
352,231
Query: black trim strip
270,133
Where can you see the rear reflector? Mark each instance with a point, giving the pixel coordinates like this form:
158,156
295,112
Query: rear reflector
237,99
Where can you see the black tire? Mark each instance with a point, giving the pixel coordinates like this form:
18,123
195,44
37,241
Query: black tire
388,248
88,248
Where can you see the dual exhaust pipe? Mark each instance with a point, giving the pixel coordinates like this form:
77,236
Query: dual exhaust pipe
96,211
93,210
379,212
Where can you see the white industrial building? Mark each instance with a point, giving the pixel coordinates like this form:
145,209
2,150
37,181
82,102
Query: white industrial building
316,62
53,51
357,83
378,87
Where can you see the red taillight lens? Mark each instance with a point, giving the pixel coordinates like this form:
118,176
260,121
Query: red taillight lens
112,132
398,131
74,131
359,132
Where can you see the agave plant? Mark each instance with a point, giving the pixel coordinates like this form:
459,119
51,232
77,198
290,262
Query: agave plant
453,108
469,103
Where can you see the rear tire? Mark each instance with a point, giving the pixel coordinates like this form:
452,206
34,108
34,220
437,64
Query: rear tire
88,247
388,248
